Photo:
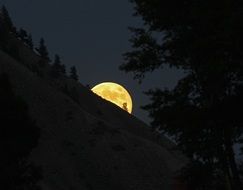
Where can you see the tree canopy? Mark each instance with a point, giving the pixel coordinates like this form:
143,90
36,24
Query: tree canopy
202,112
42,49
73,73
7,21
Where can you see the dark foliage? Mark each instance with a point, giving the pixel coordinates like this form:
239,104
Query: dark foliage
57,68
7,21
18,136
6,26
8,33
203,179
203,111
26,38
30,41
73,73
42,49
23,34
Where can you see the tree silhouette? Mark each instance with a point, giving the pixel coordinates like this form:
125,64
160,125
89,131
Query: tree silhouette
7,21
6,27
26,38
202,111
42,49
23,34
73,73
124,106
7,31
30,41
19,135
56,67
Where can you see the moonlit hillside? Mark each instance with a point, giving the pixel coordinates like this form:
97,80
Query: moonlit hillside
86,142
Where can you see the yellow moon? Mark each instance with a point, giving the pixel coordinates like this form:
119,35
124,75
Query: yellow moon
114,93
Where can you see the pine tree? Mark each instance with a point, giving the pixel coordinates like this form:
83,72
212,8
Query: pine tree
57,60
73,73
6,27
23,35
203,38
56,67
42,49
30,41
26,38
7,20
124,106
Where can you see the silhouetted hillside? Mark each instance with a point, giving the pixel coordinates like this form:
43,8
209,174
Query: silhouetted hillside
86,142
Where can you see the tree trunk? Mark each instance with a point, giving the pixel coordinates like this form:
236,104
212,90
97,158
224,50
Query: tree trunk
230,155
234,170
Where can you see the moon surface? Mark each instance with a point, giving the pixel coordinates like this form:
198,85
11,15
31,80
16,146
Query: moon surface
114,93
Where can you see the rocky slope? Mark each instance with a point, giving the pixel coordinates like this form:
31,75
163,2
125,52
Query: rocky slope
86,142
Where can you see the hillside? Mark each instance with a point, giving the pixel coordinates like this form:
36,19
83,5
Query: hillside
86,142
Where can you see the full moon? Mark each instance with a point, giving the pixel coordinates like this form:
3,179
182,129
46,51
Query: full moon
114,93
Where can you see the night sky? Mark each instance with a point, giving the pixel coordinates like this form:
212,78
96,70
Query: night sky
92,35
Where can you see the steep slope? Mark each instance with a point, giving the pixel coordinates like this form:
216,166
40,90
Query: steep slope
87,143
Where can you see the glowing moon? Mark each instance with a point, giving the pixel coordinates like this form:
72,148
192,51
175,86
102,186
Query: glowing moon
114,93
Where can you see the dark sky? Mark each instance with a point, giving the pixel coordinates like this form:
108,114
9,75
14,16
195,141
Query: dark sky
92,35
